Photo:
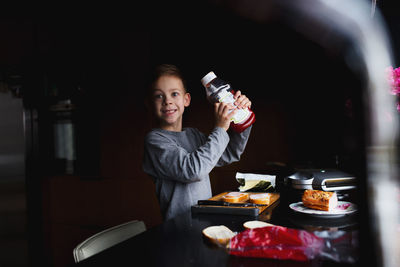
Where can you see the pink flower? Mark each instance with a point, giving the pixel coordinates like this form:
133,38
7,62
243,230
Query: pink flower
393,77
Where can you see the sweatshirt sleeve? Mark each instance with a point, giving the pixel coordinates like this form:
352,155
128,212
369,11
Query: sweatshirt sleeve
165,159
235,147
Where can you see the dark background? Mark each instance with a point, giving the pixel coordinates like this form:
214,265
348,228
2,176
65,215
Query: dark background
308,104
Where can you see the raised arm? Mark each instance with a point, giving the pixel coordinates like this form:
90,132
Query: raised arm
165,159
235,148
237,142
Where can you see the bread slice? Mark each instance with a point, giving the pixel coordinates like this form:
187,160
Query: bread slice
256,224
219,235
234,197
262,199
319,200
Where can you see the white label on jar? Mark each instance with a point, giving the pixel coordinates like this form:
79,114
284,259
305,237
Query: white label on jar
241,114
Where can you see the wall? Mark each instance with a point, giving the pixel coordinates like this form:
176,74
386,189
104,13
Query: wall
298,91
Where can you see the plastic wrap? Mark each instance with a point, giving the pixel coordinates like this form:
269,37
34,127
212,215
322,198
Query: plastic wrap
283,243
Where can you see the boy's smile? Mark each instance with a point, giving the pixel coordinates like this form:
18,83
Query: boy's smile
168,112
169,100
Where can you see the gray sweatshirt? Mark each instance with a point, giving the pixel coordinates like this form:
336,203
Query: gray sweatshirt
180,163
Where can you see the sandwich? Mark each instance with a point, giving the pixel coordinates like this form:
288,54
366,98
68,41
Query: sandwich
235,197
319,200
262,199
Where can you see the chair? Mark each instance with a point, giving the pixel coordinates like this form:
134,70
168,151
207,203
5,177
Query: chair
107,238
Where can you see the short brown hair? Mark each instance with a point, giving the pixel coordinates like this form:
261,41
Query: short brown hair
168,70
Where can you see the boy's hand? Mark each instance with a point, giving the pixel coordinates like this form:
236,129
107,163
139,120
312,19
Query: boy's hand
222,114
241,100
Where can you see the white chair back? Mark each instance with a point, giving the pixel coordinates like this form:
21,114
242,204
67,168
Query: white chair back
107,238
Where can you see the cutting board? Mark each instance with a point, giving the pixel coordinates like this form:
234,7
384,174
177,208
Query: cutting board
233,210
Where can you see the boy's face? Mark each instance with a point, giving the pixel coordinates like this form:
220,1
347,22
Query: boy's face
169,100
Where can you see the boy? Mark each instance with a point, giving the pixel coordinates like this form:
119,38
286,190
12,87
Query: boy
180,159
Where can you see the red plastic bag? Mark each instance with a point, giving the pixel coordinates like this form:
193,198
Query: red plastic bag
277,242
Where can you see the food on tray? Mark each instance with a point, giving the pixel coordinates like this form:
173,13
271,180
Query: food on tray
256,224
234,197
320,200
262,199
253,182
218,234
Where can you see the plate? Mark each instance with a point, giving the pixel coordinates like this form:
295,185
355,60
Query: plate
343,208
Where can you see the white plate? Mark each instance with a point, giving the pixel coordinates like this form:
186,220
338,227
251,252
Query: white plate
343,208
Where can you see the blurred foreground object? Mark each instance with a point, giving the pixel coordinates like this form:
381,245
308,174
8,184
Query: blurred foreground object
357,32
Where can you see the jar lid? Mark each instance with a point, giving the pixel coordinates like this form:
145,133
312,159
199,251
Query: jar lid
208,78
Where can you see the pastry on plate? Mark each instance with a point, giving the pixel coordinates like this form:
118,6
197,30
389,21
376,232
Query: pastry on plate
320,200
